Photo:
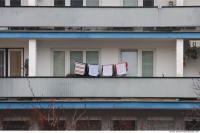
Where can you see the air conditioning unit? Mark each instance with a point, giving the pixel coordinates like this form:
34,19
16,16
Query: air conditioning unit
171,3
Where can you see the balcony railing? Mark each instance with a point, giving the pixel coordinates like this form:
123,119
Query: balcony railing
100,87
99,17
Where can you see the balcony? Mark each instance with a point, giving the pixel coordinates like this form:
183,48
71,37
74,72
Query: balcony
99,87
100,17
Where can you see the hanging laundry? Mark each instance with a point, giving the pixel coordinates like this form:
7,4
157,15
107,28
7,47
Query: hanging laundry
121,68
107,70
79,68
93,70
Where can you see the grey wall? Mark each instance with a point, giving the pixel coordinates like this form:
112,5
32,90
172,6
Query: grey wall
114,17
98,87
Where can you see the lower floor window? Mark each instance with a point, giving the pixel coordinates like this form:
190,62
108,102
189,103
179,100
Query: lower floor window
53,125
124,125
15,125
88,125
192,125
160,125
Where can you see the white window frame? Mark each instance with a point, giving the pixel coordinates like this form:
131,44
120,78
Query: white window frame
84,55
22,60
129,49
154,61
139,59
67,57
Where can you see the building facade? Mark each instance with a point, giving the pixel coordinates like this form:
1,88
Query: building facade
41,40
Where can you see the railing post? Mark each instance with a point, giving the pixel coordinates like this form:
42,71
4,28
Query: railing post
179,57
32,57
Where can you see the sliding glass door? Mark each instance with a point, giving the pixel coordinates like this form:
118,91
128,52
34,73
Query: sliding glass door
131,57
15,62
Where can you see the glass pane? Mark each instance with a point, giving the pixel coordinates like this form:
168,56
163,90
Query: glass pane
131,58
160,125
59,63
92,2
88,125
15,3
76,3
59,2
15,63
148,3
2,2
92,57
15,125
124,125
147,63
130,3
75,56
2,63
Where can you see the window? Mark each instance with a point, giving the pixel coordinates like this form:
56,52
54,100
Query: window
2,3
160,125
59,3
15,62
124,125
192,125
148,3
90,57
75,56
92,2
130,2
15,125
59,63
131,57
51,125
88,125
76,3
147,63
15,3
2,63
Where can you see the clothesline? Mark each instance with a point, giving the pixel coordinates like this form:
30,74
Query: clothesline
110,70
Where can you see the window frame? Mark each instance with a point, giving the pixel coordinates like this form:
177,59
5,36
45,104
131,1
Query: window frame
4,61
22,60
67,58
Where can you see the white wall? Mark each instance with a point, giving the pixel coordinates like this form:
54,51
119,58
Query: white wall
163,2
165,53
111,2
165,61
45,3
191,3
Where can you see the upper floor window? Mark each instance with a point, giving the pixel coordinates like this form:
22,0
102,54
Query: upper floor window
130,3
2,2
148,3
59,3
76,3
92,3
15,3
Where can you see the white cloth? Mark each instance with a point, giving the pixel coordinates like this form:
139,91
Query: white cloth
108,70
93,70
79,68
121,69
